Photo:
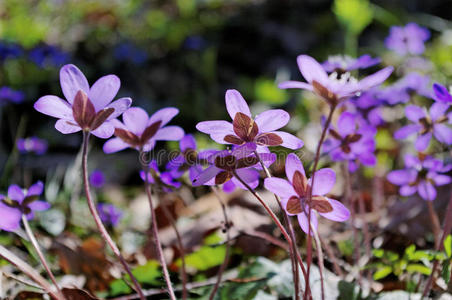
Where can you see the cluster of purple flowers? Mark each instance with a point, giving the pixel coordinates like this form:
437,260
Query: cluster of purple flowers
32,145
42,55
8,95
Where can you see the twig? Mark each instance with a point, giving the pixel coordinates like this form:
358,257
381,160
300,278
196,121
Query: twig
22,280
228,245
35,244
155,233
97,220
314,168
333,258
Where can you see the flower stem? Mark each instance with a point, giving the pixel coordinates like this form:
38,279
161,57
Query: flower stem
294,250
228,245
98,221
155,233
314,168
436,226
274,218
35,244
320,258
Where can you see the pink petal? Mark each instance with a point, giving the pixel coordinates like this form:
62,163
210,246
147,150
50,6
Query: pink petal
114,145
304,223
272,120
375,79
120,106
72,80
280,187
136,120
64,127
104,90
164,115
311,69
169,133
293,164
235,103
215,127
289,140
104,131
295,85
340,213
323,182
118,124
54,106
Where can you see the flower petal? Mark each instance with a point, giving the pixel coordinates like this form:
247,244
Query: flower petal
426,190
293,164
10,217
206,175
244,150
164,115
72,80
295,85
438,109
280,187
169,133
235,103
407,190
346,124
104,131
215,127
311,69
104,90
187,142
441,179
272,120
324,181
402,177
405,131
441,93
36,189
15,193
340,213
443,133
39,205
136,120
120,106
54,106
289,140
114,145
304,223
64,127
375,79
414,113
422,141
250,176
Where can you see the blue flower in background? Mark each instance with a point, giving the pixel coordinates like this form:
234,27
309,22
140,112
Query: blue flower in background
109,214
8,95
32,145
129,52
9,50
47,55
195,42
97,179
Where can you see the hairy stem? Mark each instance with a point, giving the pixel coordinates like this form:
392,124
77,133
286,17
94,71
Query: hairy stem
274,218
98,221
155,234
320,258
314,168
294,250
42,258
228,245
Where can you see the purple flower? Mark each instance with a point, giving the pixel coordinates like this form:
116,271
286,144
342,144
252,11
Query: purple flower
9,50
165,179
97,179
426,125
421,175
441,93
189,159
32,145
131,53
295,191
407,40
48,55
223,164
87,108
403,89
352,141
367,108
335,87
18,202
109,214
140,132
262,131
8,95
344,63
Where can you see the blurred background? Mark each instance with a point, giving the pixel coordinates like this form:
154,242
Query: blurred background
184,53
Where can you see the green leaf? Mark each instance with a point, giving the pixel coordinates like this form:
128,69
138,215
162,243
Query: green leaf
378,252
148,273
119,287
382,273
267,91
355,15
448,245
205,257
445,272
418,268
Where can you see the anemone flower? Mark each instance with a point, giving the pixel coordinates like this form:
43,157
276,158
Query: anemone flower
87,108
295,193
408,39
17,203
345,63
442,94
427,125
335,87
109,214
140,132
261,131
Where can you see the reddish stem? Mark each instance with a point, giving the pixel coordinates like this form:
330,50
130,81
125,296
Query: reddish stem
98,221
